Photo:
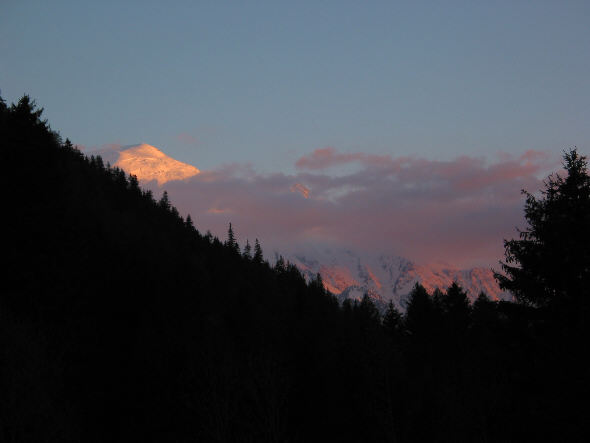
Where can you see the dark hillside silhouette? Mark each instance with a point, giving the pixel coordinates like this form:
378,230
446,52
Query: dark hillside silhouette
120,321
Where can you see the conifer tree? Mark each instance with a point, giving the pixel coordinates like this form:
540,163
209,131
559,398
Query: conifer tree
100,163
231,240
455,307
420,313
164,202
392,320
280,265
189,222
133,182
483,312
549,262
317,283
68,145
258,257
247,251
368,313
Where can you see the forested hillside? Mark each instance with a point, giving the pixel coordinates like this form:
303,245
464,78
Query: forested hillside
121,321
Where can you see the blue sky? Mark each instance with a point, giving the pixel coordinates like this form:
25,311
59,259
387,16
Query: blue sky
267,82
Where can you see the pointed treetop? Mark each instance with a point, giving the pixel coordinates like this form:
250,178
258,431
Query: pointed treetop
189,222
392,320
258,257
231,240
247,251
165,201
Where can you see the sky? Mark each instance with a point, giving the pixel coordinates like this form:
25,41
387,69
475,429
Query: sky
333,92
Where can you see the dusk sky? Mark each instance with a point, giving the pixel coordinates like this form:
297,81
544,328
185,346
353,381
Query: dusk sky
419,122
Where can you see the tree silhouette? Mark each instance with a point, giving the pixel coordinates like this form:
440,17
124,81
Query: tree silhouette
164,201
455,308
258,257
247,251
189,222
549,262
231,240
367,311
420,313
393,320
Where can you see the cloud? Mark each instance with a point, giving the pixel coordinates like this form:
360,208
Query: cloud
298,187
456,211
218,211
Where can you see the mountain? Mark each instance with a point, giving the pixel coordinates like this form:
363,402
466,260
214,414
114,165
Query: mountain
147,163
349,274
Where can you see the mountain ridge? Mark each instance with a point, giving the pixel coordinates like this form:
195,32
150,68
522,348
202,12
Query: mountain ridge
385,277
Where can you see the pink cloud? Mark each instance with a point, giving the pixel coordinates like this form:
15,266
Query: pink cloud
298,187
219,211
456,211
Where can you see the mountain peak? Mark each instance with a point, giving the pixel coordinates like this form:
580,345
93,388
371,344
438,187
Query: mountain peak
148,163
144,149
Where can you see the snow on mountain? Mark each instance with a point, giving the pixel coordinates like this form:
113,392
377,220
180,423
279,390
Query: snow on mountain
384,277
147,163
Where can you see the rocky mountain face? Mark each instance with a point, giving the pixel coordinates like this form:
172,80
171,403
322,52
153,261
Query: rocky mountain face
348,274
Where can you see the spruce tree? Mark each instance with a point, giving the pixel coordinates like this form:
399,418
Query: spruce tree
455,308
483,313
231,240
392,320
368,313
420,313
247,251
549,263
280,265
133,182
164,202
258,257
68,145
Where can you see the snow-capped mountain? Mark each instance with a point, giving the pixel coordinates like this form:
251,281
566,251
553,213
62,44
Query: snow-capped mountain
348,274
147,163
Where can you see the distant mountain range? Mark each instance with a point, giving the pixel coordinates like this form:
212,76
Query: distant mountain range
345,273
350,275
